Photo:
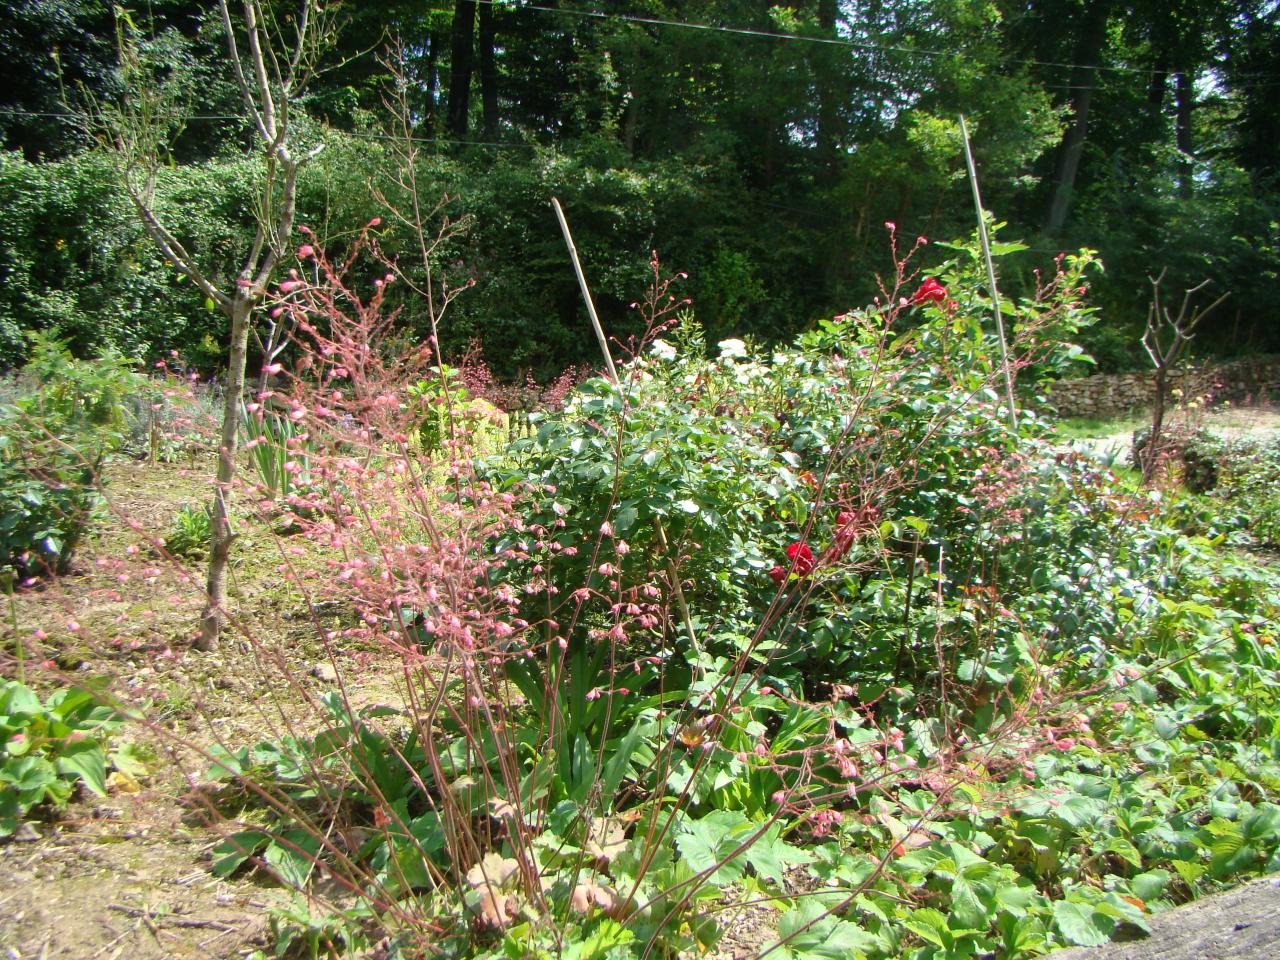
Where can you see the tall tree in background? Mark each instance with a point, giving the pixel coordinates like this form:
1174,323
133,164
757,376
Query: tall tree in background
761,146
488,71
462,58
1253,73
1091,36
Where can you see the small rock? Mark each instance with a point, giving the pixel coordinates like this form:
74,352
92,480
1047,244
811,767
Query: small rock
26,833
325,672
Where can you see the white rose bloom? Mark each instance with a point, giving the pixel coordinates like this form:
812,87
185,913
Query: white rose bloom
732,348
662,350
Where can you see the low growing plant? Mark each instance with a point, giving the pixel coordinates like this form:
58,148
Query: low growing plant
188,535
66,417
48,748
277,448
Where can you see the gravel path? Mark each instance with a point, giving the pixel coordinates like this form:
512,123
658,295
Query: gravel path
1241,924
1258,423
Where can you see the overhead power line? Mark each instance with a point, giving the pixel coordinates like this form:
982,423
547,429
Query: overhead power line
780,35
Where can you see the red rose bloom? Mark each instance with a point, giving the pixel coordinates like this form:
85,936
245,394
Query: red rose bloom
931,291
844,532
778,575
801,558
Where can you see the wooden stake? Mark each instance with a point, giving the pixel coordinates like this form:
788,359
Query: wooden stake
672,574
586,292
991,275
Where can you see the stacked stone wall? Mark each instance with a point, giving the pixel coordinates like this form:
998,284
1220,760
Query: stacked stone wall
1253,380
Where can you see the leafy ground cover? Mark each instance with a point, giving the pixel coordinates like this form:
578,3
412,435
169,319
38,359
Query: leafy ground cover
813,643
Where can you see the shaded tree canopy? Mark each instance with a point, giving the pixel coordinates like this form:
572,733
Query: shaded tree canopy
760,148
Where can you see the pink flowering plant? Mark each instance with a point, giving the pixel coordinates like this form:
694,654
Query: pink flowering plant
801,627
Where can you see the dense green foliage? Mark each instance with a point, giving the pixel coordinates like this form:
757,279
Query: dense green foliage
67,415
1238,494
813,628
760,149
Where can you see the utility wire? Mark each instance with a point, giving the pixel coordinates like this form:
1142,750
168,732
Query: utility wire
802,37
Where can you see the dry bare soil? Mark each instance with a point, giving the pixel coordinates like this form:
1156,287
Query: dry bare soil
128,876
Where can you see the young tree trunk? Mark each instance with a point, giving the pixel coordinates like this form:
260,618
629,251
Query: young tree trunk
1151,451
271,80
462,54
220,522
1083,78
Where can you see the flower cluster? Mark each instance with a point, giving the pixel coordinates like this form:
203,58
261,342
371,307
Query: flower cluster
931,291
802,562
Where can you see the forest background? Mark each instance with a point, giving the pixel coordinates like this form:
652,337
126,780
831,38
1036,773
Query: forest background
760,148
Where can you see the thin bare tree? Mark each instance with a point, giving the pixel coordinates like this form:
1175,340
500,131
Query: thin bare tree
1164,339
272,61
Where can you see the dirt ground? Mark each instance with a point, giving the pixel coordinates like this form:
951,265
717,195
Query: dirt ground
127,876
127,879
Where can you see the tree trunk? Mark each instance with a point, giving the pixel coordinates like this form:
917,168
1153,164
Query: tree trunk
1083,79
826,69
1155,439
435,40
1156,93
220,521
1185,94
462,54
488,72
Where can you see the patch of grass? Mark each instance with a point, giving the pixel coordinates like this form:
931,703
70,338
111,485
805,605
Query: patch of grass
1088,428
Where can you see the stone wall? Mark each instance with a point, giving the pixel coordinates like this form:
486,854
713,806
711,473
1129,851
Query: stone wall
1248,381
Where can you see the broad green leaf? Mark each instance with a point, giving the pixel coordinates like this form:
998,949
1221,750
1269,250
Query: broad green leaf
236,849
1148,886
929,925
967,910
29,776
808,933
770,855
86,761
704,843
1080,925
293,856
